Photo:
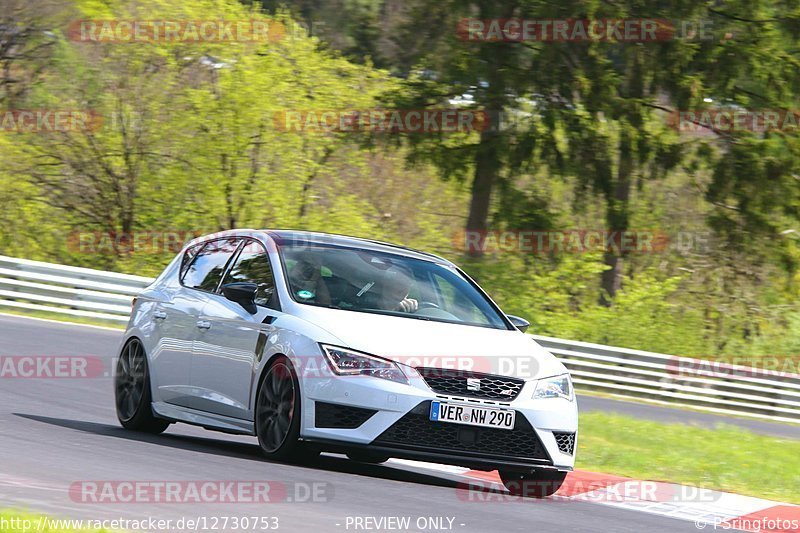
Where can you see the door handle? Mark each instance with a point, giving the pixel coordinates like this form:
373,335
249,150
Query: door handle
203,324
160,315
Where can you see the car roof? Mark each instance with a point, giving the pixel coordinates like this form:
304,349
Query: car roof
281,236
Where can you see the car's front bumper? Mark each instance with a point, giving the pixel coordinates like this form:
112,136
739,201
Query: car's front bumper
475,462
398,425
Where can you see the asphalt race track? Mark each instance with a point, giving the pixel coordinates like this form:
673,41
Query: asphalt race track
55,433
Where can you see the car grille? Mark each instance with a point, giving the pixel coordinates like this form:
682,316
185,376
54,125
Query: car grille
454,383
331,415
416,431
565,441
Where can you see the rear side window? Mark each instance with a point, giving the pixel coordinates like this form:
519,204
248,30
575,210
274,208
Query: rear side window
253,266
208,266
188,255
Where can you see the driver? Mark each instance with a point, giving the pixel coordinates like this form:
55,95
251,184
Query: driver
397,283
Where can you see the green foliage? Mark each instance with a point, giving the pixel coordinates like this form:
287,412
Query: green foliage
190,143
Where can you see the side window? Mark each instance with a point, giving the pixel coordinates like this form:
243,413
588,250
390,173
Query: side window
188,256
208,266
253,266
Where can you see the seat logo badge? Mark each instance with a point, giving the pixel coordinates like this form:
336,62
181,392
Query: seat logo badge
473,384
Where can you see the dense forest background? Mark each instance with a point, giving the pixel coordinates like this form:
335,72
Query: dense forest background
189,144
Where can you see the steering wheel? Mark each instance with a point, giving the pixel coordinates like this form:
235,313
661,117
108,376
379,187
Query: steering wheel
427,305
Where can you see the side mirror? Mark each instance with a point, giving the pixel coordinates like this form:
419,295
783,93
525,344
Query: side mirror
519,322
243,293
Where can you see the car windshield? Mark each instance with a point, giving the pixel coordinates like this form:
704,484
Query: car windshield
390,284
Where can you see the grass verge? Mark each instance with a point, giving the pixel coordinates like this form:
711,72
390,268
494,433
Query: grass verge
723,458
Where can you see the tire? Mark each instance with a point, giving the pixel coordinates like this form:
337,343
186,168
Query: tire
540,483
278,408
367,457
132,395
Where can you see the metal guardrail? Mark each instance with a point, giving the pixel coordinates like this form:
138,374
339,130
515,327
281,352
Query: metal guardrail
621,372
65,290
700,384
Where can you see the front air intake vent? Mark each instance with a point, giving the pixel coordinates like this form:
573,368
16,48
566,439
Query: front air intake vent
331,415
565,441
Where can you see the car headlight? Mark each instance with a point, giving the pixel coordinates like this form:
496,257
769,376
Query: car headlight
555,387
346,362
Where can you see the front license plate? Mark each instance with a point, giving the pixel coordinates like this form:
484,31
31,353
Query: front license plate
471,415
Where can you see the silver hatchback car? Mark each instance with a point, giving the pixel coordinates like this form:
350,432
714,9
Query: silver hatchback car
314,342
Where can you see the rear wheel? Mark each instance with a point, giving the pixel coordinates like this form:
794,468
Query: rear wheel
278,413
540,483
132,394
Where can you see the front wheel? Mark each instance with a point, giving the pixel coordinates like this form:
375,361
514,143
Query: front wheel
132,394
277,422
540,483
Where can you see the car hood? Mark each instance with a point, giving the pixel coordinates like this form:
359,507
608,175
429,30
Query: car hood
423,343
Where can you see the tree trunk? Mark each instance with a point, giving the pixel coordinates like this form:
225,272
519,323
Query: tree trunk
617,220
488,158
486,165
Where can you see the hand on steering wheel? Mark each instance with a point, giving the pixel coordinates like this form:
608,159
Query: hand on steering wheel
408,305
